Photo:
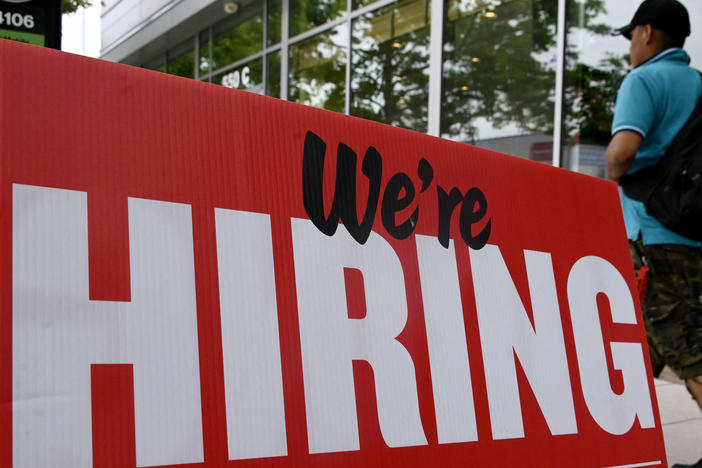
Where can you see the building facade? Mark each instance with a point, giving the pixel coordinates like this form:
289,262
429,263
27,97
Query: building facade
531,78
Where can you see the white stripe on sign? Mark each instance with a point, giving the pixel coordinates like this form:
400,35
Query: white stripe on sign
635,465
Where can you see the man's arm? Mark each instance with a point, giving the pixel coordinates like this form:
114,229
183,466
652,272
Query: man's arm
621,152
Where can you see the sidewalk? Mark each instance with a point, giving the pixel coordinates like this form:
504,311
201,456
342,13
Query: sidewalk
681,420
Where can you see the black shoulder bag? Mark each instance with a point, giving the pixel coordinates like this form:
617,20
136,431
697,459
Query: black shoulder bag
672,188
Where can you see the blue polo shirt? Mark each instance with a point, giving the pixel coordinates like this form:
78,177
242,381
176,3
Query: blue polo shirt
655,100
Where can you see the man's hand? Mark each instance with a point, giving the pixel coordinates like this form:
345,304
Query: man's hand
621,152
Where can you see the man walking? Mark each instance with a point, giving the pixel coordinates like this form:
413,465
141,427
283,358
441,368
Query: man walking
655,100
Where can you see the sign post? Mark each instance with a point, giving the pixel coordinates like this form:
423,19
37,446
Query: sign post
197,276
35,22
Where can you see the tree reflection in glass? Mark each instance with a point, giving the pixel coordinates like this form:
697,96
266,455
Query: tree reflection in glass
361,3
308,14
181,60
390,59
238,36
499,68
275,13
273,75
204,63
318,70
158,63
596,63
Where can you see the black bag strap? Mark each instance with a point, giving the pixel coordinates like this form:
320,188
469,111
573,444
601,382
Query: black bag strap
641,184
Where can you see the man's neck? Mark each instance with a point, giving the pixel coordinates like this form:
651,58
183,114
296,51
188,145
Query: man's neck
654,52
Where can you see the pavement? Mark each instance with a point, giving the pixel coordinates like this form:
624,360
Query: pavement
681,420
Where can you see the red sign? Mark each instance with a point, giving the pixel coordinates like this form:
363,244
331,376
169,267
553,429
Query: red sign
195,276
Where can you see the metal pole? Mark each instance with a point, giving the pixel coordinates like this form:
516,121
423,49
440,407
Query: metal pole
435,66
560,77
284,55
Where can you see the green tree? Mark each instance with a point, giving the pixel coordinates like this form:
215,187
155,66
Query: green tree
69,6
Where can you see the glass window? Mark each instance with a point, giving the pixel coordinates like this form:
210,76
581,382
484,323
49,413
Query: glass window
361,3
248,77
238,36
498,82
596,64
181,60
273,75
318,70
275,12
204,59
307,14
158,64
693,44
390,58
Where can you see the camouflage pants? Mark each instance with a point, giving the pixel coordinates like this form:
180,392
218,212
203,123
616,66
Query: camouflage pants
672,307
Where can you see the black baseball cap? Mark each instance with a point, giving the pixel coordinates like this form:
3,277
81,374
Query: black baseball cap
669,16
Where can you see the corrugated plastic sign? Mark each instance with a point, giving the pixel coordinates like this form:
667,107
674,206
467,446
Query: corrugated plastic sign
196,276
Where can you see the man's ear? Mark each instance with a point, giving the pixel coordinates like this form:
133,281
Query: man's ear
647,33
